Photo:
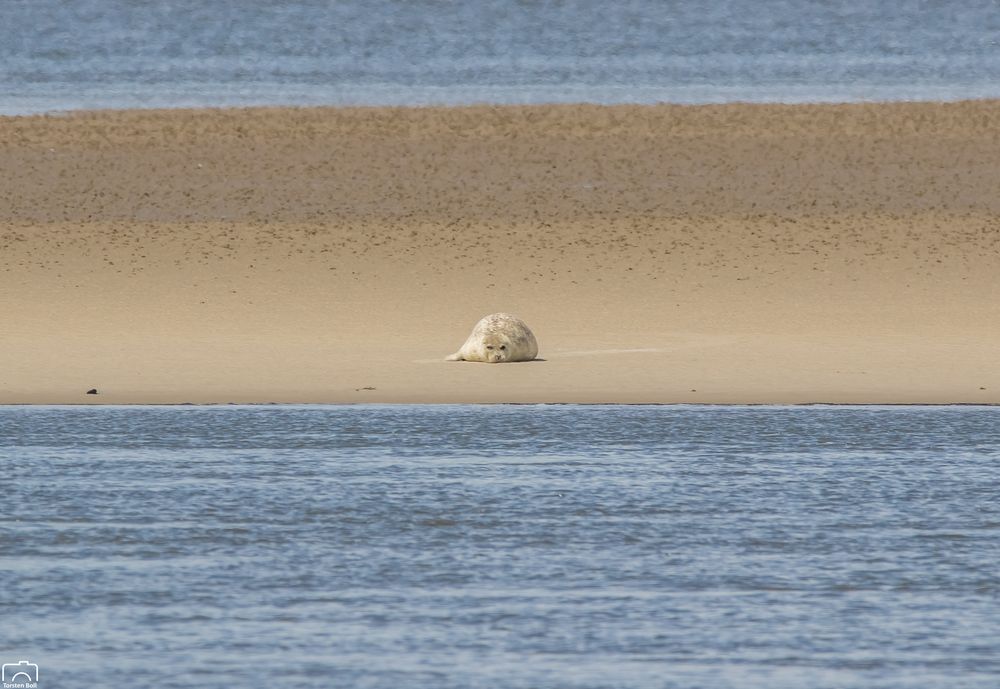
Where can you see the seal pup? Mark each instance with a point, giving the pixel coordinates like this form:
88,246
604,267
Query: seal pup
498,338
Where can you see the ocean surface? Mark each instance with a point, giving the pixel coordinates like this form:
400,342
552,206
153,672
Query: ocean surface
526,546
57,55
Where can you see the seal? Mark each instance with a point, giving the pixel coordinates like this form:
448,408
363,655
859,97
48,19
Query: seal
496,339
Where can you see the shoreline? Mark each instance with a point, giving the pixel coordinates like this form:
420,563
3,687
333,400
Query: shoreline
672,254
382,405
905,96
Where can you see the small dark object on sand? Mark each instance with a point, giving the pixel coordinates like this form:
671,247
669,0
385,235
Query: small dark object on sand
92,391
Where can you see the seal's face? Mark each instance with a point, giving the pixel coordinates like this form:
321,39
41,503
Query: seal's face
495,350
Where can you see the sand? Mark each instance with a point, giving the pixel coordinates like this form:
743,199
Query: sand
663,254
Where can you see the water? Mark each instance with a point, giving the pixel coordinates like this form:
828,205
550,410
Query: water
154,53
463,546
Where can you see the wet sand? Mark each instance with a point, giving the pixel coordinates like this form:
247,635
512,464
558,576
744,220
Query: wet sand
665,254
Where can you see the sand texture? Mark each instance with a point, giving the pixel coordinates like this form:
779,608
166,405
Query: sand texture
717,254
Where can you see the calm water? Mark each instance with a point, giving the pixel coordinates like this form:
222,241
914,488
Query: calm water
56,54
502,547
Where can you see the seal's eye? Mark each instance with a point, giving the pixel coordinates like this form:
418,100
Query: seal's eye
489,346
503,346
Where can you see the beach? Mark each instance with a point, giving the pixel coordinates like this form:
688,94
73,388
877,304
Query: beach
760,254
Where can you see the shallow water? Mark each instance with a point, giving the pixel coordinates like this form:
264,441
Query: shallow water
528,546
153,53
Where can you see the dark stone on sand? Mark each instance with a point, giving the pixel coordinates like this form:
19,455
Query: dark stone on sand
92,391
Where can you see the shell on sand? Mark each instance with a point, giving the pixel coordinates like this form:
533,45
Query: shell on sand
498,338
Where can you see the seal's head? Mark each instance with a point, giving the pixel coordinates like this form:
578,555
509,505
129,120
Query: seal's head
496,349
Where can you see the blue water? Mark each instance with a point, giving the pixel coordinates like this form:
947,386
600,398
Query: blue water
531,546
56,54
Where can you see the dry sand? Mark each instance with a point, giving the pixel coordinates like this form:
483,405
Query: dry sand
739,253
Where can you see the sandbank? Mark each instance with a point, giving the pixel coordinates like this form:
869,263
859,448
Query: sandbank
661,254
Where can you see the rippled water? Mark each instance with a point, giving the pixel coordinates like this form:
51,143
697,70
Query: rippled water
126,53
463,546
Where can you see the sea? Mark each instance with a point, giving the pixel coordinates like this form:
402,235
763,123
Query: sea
85,54
493,547
496,547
